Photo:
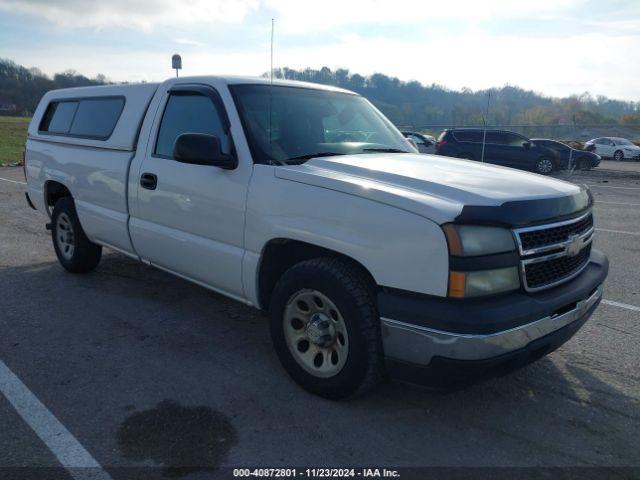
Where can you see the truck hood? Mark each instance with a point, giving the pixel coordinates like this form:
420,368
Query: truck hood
436,187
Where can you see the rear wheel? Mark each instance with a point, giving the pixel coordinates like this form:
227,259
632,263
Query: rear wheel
618,155
326,329
74,250
544,166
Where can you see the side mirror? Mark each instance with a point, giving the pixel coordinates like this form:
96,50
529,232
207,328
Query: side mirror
202,149
527,145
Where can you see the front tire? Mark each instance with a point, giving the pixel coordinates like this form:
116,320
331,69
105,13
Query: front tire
544,166
618,156
75,252
325,327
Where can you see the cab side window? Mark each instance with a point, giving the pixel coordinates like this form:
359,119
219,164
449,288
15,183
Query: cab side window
189,112
515,140
496,138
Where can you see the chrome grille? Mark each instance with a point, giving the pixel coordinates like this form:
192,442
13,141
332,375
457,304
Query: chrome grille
549,236
556,269
554,253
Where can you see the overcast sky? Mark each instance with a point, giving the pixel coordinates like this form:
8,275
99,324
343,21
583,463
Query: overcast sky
556,47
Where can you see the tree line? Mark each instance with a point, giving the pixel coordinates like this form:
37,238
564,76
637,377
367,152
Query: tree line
409,104
22,88
417,105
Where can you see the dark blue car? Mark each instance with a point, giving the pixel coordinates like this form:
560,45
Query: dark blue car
581,159
500,147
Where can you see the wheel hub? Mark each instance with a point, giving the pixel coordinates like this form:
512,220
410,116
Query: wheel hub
64,236
320,330
316,333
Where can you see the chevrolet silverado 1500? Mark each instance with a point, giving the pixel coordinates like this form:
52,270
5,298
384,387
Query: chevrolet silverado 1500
306,202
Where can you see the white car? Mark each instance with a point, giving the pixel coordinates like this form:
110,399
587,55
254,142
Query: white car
424,143
306,202
614,147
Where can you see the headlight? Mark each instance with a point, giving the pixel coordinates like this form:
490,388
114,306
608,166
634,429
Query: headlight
484,282
472,240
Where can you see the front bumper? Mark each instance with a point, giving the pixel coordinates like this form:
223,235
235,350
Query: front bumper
461,340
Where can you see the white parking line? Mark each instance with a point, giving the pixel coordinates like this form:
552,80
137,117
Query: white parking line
611,186
13,181
73,457
621,305
617,231
598,202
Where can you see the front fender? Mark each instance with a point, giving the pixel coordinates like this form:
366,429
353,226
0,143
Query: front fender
400,249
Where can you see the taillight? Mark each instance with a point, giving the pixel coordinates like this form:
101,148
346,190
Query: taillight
441,144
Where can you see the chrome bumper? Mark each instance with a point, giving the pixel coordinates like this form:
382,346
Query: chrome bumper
418,345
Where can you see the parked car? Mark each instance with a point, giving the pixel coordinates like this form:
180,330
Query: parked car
502,147
613,147
368,259
580,159
425,143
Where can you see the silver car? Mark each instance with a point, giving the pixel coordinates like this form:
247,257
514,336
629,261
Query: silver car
614,147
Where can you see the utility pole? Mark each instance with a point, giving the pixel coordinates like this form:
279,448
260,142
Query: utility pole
484,120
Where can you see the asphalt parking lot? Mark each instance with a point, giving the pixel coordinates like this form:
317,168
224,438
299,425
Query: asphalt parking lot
142,369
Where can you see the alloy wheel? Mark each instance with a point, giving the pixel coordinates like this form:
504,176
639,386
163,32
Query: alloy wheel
545,166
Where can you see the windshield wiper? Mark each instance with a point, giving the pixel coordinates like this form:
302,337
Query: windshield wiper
384,150
309,156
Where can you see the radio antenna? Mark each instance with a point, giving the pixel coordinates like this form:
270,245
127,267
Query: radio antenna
484,121
271,99
271,64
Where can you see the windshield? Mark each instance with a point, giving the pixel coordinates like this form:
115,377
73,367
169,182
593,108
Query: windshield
291,124
622,141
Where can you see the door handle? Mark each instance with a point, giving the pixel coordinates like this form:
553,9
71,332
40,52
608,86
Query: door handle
148,181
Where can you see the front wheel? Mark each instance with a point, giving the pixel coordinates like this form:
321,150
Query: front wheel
75,252
326,329
544,166
618,155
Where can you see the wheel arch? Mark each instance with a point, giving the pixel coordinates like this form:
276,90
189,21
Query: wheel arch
54,191
280,254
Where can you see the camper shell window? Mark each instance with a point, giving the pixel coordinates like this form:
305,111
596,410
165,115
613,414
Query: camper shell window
94,118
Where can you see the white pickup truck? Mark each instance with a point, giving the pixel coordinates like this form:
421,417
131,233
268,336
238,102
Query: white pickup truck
306,202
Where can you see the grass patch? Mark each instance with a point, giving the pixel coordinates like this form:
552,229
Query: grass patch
13,135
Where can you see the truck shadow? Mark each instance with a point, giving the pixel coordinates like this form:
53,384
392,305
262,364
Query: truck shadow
138,336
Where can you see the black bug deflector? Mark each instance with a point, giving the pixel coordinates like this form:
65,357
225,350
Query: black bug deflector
527,212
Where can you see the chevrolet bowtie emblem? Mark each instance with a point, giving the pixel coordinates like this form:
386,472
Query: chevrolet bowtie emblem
575,245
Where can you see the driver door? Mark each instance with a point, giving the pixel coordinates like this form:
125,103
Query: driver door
190,218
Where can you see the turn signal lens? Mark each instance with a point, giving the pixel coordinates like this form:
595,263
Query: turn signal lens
453,239
457,284
483,282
